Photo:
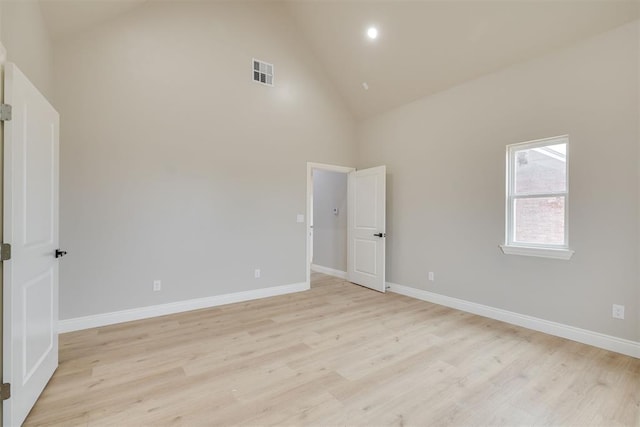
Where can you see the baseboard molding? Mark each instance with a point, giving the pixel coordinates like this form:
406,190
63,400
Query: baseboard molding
330,271
596,339
87,322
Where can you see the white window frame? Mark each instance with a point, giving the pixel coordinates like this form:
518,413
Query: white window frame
512,247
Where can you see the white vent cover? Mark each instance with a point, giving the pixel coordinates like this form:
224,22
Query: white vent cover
262,72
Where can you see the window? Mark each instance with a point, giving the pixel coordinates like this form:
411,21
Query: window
537,198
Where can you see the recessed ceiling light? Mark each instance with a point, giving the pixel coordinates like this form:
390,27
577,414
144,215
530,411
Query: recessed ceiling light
365,86
372,32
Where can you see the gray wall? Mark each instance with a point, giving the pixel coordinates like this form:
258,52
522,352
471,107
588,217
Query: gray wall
446,163
24,35
329,230
176,166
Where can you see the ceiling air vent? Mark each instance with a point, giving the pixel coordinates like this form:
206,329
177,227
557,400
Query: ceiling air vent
262,72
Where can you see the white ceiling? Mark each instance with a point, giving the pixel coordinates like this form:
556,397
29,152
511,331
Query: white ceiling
424,46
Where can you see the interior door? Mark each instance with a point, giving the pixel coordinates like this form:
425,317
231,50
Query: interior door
366,227
30,342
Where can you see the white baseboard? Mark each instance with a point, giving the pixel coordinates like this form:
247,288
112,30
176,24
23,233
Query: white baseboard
330,271
596,339
94,321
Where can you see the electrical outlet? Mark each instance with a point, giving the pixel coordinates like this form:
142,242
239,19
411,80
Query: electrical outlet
431,276
618,311
256,273
157,285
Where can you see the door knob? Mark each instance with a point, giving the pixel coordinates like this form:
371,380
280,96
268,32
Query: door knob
380,234
60,254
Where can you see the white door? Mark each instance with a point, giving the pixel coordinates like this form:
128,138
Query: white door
366,227
31,227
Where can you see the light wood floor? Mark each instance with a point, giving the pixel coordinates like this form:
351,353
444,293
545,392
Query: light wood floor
338,354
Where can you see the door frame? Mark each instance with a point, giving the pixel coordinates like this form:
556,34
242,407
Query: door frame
311,166
3,60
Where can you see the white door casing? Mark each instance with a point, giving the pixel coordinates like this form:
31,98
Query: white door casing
31,158
366,227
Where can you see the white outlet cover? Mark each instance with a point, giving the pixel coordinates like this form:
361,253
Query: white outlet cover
157,285
618,311
256,273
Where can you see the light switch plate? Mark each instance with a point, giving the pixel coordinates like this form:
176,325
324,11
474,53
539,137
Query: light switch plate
300,218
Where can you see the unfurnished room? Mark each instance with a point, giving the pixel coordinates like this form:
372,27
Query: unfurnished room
320,213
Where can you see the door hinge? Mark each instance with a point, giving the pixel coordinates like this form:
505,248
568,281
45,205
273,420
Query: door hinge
5,252
5,391
5,112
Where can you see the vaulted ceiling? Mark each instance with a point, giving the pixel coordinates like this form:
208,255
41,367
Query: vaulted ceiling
428,46
423,46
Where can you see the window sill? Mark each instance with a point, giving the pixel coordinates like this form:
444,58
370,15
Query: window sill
564,254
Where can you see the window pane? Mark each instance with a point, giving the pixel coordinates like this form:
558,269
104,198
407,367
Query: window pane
539,220
541,170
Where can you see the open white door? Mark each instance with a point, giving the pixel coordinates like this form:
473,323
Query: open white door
366,227
30,319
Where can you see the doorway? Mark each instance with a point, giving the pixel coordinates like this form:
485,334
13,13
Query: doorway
365,218
329,223
327,219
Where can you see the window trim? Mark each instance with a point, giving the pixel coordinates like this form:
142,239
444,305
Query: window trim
510,246
565,254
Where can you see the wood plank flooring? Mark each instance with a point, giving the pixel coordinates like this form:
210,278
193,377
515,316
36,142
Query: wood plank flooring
338,354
